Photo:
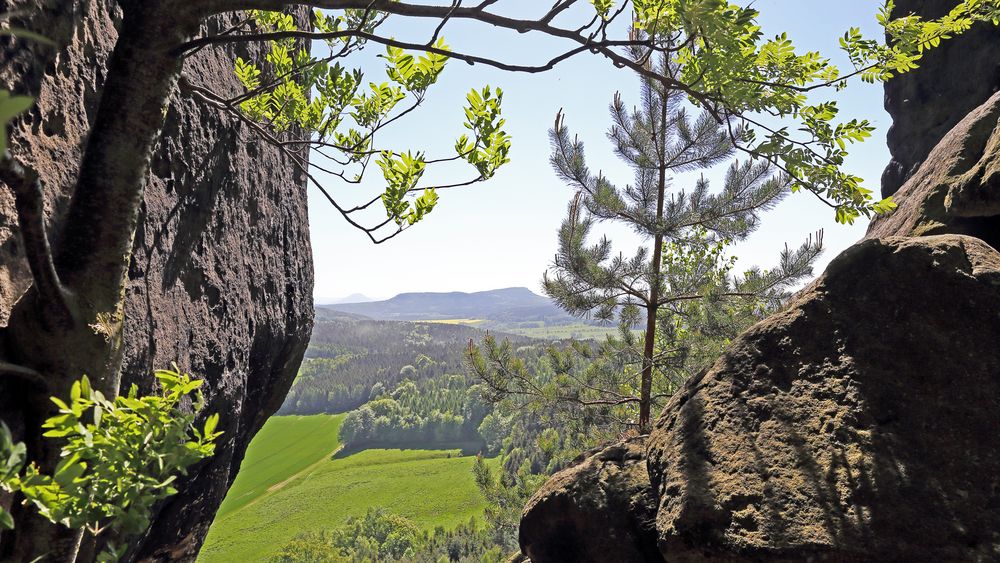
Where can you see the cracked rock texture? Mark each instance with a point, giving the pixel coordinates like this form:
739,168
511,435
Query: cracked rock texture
957,190
221,273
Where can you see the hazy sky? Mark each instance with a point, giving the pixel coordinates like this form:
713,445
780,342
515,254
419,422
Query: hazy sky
502,233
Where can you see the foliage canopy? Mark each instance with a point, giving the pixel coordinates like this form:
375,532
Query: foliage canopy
763,91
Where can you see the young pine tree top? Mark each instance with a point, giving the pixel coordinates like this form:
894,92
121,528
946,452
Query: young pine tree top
660,140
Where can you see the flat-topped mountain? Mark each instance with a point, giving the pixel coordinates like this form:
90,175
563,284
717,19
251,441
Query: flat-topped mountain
510,304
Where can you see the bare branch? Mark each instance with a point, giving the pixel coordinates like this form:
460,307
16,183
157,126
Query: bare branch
239,25
608,49
470,59
24,374
298,160
30,202
444,21
556,10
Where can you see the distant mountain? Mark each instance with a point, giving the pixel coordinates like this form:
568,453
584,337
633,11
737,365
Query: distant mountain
324,313
352,298
512,304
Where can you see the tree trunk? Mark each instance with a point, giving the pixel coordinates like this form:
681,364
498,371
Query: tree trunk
92,258
653,306
645,397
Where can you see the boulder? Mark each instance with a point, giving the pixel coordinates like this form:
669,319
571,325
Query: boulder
854,425
859,423
957,190
221,273
925,104
599,509
819,435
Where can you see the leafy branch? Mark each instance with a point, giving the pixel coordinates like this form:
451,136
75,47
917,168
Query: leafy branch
119,457
726,66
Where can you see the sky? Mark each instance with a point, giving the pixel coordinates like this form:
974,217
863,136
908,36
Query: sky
502,233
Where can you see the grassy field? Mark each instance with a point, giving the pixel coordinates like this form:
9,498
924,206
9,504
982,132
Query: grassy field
285,446
468,322
579,331
291,482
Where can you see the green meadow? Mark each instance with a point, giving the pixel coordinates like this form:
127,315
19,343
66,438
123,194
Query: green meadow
295,478
579,331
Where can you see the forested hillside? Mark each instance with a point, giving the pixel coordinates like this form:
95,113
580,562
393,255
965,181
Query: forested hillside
416,418
349,355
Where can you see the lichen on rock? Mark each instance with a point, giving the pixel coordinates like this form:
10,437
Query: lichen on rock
604,497
821,434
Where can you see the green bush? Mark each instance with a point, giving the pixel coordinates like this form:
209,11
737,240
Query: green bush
120,456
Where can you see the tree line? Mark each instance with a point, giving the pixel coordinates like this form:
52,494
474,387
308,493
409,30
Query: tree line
380,535
442,410
347,357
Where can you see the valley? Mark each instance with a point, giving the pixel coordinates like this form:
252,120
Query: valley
737,249
386,414
292,481
515,310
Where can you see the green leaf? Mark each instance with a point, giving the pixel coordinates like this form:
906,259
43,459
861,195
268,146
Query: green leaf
603,7
6,520
114,470
85,389
59,403
210,424
24,33
11,107
6,439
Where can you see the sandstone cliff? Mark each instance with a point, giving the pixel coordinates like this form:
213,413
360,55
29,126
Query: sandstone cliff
952,81
221,273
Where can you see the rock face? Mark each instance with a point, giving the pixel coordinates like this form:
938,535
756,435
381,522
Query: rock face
926,103
859,423
820,434
221,273
958,189
606,497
